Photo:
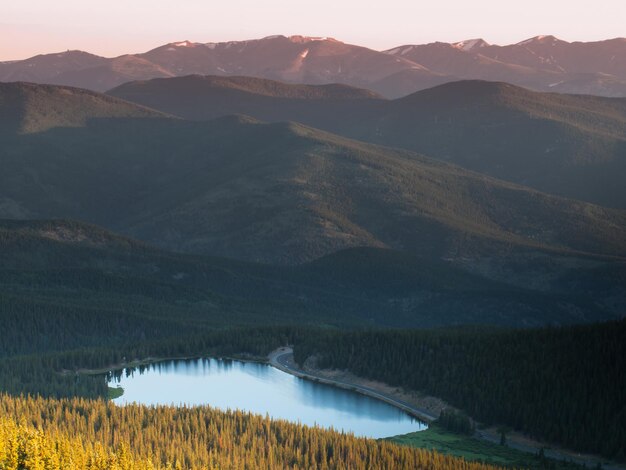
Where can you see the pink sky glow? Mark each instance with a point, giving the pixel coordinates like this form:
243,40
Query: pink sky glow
115,27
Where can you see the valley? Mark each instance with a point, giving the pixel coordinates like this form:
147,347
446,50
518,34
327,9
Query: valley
300,253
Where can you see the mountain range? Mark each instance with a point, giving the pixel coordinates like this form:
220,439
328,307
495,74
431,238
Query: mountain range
279,192
308,219
568,145
543,63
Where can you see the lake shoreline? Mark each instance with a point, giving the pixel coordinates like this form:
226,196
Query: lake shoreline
421,415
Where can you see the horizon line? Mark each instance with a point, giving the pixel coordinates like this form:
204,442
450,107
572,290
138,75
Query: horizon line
540,36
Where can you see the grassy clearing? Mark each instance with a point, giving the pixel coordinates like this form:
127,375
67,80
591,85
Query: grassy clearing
472,449
115,392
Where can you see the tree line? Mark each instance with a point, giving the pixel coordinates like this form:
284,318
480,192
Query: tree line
61,374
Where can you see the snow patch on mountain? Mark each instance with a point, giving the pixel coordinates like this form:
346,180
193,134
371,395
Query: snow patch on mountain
470,44
305,39
542,39
406,50
184,44
527,41
401,50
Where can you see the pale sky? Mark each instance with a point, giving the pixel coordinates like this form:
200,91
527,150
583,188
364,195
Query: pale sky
115,27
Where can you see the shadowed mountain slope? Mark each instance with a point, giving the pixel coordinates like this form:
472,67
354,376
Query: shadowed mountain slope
574,146
97,286
279,192
28,108
431,243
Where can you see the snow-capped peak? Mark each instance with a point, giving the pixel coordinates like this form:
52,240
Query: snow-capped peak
183,44
471,44
304,39
541,39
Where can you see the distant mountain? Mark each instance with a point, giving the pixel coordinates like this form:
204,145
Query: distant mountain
198,97
26,107
293,59
574,146
45,67
466,61
543,63
550,53
211,88
111,73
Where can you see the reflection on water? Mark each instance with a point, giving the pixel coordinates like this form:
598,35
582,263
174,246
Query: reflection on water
262,389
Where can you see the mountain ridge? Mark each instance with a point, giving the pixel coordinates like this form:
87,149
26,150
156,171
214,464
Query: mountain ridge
284,199
539,63
93,267
41,107
569,145
236,186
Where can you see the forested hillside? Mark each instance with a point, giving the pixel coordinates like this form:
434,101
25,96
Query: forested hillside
66,285
80,434
288,194
573,146
282,193
565,385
